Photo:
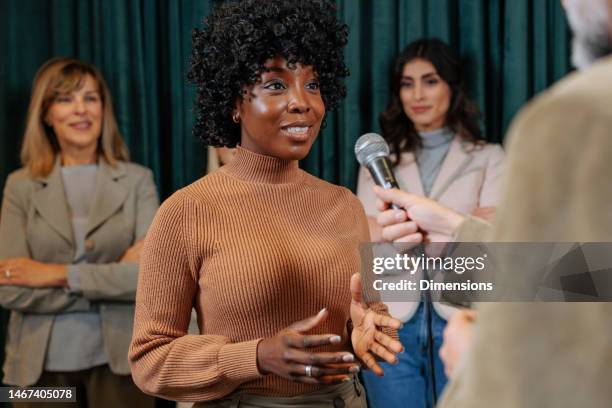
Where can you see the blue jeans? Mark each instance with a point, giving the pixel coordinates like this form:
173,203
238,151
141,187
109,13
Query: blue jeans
408,384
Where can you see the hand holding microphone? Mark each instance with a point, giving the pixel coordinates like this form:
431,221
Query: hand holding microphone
405,217
436,221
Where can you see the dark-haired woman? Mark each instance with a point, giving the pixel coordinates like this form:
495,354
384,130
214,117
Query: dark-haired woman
261,249
439,152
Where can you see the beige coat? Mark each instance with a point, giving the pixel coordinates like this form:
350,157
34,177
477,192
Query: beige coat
557,188
35,222
469,178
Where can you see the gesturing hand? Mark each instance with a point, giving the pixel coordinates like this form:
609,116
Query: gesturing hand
366,337
286,354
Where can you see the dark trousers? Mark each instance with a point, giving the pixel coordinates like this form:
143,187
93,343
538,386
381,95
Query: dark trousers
96,387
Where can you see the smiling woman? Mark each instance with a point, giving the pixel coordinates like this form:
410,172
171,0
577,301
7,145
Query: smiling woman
76,120
263,250
438,150
70,108
282,114
70,236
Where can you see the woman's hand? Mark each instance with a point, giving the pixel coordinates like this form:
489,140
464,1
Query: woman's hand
30,273
286,354
366,337
132,254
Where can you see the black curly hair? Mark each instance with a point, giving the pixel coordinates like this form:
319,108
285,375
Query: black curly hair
238,37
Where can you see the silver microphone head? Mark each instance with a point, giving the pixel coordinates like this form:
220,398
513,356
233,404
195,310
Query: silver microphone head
369,147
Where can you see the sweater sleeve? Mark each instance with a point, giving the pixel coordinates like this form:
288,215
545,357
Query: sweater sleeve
165,360
365,193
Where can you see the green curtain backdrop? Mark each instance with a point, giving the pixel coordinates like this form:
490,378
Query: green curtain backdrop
512,49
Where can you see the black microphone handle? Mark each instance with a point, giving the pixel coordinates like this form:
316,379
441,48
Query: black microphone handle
382,174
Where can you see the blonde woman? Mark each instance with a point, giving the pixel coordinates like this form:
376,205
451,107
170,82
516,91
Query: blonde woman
70,230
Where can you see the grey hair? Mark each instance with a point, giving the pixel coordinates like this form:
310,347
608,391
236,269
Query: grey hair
590,24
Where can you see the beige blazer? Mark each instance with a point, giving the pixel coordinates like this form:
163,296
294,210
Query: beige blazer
557,188
35,222
469,178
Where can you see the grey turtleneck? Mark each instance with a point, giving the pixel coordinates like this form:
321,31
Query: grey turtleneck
431,156
76,338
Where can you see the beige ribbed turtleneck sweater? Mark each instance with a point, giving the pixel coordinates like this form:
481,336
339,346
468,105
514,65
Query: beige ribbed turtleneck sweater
255,246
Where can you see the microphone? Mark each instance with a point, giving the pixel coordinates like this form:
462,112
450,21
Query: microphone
372,152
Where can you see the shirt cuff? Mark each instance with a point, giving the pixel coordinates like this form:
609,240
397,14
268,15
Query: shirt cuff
74,280
238,361
473,229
